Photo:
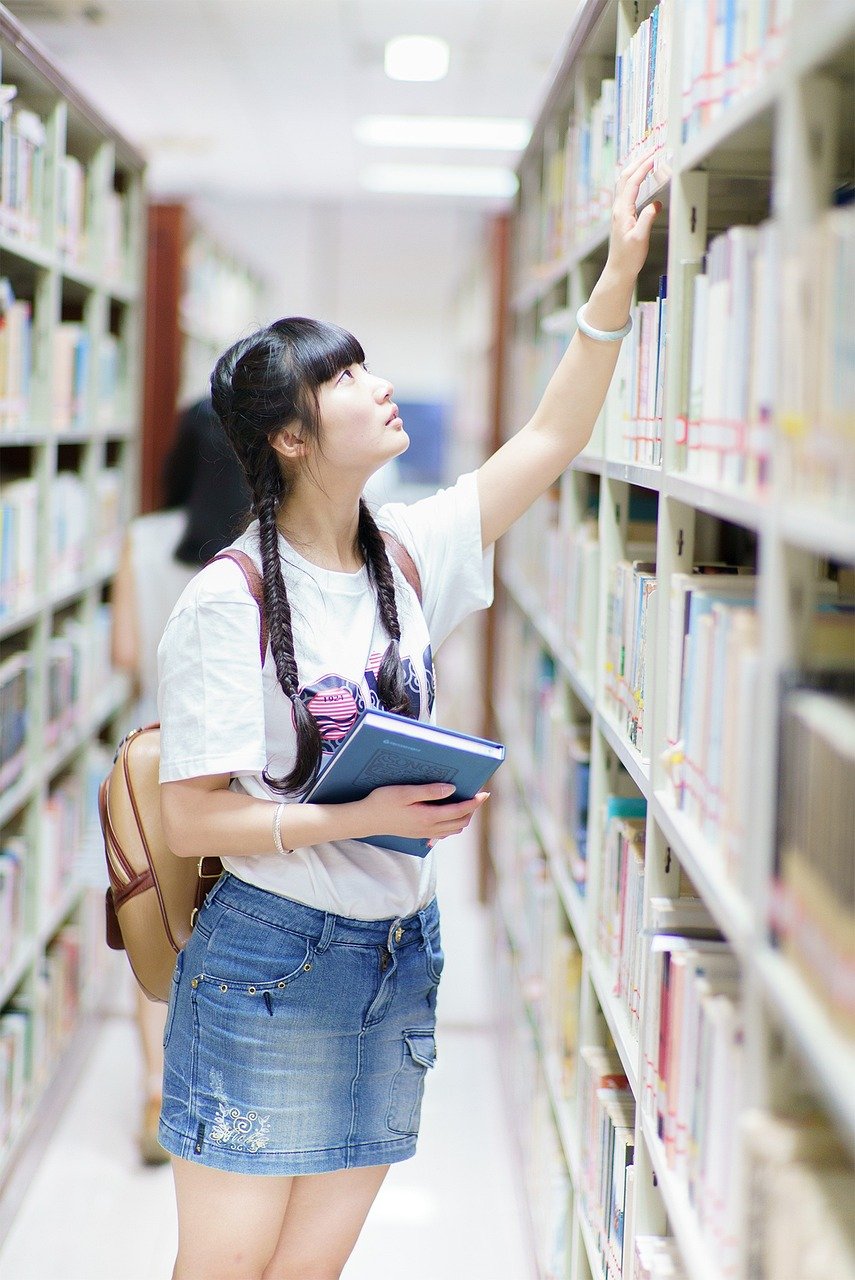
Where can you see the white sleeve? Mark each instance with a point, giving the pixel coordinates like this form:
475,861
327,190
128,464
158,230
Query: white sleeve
210,696
443,535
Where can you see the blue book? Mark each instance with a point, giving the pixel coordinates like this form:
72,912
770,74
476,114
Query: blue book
387,750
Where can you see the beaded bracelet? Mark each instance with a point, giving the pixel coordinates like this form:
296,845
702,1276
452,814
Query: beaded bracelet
601,335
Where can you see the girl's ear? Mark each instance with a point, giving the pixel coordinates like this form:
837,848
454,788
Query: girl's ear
289,444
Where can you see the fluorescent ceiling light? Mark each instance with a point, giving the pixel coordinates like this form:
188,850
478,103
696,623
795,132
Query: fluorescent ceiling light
480,133
440,179
416,58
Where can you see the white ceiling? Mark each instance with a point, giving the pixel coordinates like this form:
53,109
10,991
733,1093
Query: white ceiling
259,97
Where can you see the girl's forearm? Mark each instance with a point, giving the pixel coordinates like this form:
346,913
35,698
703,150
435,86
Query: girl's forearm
221,823
577,389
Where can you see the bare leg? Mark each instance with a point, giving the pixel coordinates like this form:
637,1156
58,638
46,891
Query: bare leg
228,1223
151,1019
323,1219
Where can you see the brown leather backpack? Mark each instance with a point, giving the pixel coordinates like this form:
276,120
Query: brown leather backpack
154,895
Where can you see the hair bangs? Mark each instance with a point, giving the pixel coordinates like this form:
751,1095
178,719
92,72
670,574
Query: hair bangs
319,349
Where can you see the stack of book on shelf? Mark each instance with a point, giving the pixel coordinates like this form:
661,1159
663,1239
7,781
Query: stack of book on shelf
734,359
15,357
15,679
713,657
642,73
13,863
71,231
607,1143
692,1072
584,185
634,408
22,165
630,649
109,376
63,818
728,49
620,898
551,1195
69,524
71,351
814,894
577,595
562,991
18,525
59,987
817,392
798,1221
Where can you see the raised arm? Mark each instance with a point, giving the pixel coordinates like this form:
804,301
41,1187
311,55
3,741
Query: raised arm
561,425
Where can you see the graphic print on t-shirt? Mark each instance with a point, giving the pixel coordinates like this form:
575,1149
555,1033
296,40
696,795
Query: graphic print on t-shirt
335,702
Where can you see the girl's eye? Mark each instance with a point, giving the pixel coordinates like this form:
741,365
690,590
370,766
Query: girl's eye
345,373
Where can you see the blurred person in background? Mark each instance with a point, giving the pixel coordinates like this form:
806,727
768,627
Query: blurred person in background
206,498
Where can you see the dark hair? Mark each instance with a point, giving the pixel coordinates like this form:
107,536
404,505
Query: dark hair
202,475
258,386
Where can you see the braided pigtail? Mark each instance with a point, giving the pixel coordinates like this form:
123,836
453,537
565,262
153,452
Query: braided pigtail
391,682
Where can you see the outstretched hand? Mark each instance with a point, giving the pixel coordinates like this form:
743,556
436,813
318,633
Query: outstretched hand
629,240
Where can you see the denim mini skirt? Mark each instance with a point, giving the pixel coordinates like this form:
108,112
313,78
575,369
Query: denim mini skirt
298,1041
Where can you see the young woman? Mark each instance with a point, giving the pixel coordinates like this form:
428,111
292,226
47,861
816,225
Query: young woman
301,1022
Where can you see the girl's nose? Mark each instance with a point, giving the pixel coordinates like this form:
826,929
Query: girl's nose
384,390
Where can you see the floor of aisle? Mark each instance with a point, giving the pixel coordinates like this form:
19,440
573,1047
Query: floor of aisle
92,1213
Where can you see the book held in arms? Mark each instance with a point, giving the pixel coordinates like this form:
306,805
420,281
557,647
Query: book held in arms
387,750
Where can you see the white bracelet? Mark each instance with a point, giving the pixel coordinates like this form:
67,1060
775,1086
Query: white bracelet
277,834
601,335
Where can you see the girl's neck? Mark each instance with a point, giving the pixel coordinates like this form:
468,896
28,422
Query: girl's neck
323,530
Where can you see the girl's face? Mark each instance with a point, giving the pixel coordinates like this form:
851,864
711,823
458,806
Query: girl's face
360,427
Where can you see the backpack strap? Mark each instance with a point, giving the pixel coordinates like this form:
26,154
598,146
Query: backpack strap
255,583
404,561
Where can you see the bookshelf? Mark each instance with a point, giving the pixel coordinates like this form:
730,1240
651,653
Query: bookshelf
71,206
199,300
670,618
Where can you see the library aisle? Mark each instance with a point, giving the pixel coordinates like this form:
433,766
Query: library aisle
94,1213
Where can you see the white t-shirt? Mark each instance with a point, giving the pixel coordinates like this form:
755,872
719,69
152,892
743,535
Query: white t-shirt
221,713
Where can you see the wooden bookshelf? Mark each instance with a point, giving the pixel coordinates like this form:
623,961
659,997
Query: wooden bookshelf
71,252
768,138
199,299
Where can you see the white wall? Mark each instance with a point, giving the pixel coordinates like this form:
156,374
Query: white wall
387,270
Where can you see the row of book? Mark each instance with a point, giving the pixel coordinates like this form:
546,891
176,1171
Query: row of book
63,822
72,237
711,704
606,1109
642,73
15,710
627,120
34,1026
22,168
13,871
16,357
733,359
691,1087
620,900
728,49
630,649
813,903
633,413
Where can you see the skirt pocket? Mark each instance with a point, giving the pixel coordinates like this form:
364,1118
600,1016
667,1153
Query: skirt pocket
405,1102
